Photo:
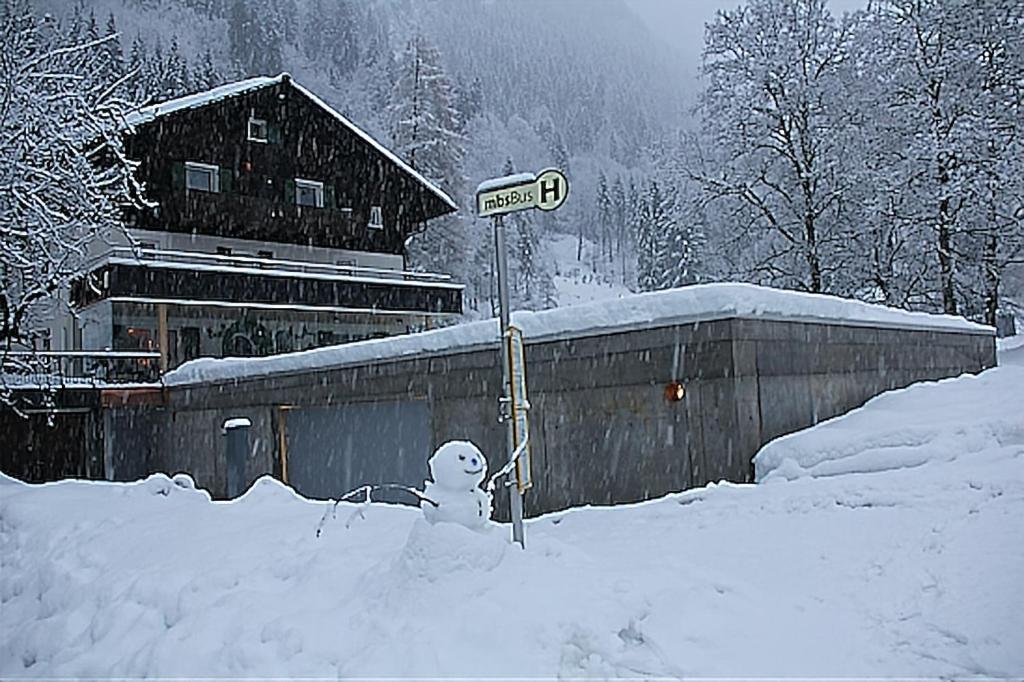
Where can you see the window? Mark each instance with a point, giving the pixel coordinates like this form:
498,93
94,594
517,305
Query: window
203,177
309,193
189,343
257,130
376,220
223,250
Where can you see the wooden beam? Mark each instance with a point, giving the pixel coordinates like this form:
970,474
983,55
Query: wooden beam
162,336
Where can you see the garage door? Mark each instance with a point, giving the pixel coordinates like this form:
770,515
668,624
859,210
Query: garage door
332,450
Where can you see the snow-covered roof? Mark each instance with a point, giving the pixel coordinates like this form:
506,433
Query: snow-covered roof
703,302
200,99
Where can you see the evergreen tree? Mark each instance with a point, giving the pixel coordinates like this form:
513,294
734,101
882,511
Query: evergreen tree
605,216
332,33
175,73
530,281
114,49
620,212
424,127
649,225
680,242
256,36
206,75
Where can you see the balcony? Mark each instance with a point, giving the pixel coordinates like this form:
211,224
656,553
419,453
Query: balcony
154,275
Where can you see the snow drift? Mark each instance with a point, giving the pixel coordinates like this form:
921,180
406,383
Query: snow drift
895,570
977,417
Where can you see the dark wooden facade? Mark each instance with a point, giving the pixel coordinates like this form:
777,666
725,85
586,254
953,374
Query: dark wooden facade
149,281
256,197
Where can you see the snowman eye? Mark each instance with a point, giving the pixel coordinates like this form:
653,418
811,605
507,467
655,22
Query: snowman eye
462,458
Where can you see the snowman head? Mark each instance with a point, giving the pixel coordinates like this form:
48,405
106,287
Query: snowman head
458,465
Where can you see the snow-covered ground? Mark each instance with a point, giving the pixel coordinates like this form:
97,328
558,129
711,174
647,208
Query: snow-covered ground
577,281
905,557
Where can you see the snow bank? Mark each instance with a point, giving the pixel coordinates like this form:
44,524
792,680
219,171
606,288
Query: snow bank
905,573
655,309
975,417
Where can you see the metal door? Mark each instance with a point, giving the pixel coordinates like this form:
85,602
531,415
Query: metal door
331,450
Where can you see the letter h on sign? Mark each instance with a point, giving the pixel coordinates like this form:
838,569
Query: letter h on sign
550,188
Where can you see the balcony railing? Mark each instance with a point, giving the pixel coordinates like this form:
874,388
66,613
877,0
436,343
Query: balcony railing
157,276
290,266
61,369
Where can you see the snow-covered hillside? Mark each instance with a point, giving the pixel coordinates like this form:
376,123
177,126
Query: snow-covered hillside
579,279
892,567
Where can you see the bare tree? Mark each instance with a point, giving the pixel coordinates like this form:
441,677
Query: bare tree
63,174
772,119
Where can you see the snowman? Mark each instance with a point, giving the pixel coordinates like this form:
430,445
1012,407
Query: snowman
457,468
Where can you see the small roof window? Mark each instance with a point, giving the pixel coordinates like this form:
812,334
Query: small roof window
257,130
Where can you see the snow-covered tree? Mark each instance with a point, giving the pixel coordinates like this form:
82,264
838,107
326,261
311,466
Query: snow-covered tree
530,282
605,216
424,121
653,224
257,30
939,84
775,126
63,177
997,225
425,130
332,33
682,240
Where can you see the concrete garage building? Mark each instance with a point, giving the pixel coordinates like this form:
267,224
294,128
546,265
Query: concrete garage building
747,364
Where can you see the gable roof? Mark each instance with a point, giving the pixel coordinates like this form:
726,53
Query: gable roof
151,112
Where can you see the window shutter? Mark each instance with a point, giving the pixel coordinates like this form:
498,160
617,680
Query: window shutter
227,179
289,191
329,196
178,175
273,134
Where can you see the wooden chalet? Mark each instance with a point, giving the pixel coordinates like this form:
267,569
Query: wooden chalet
276,225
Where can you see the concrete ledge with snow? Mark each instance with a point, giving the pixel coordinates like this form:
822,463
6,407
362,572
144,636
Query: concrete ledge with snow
754,363
884,543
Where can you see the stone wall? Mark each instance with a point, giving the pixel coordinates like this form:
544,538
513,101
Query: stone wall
601,428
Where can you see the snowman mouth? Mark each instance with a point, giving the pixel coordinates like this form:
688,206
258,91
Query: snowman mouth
474,472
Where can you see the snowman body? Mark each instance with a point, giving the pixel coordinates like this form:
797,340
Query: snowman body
457,469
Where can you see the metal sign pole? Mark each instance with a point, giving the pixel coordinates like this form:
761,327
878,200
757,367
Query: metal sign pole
546,191
515,496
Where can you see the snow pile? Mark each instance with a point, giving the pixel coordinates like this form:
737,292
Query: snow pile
907,572
654,309
977,417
